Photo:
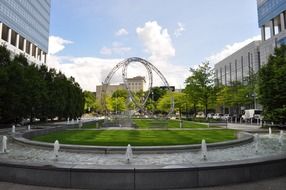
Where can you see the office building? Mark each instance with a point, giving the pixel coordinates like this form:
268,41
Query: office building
271,20
135,84
238,66
24,27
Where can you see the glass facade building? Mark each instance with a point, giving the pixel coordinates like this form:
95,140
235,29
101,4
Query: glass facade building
269,9
271,20
239,65
25,25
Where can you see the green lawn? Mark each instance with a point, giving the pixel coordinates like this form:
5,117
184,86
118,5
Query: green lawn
137,137
152,123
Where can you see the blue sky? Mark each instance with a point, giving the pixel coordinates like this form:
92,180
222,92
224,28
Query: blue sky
188,32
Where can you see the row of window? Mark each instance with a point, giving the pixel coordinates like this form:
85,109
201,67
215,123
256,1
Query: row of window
27,20
30,48
238,70
134,83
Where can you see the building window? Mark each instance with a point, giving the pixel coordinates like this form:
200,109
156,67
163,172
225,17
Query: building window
220,76
225,77
34,50
21,43
258,60
235,69
5,33
13,38
230,76
241,62
28,45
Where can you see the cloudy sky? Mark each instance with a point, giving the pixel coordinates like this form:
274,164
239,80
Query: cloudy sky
89,37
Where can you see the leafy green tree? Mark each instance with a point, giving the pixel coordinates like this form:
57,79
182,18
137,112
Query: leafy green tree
200,85
234,96
33,91
272,87
120,93
180,101
90,101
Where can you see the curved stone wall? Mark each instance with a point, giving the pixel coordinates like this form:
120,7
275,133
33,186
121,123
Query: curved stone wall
150,177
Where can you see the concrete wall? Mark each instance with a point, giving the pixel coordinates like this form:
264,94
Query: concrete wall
143,178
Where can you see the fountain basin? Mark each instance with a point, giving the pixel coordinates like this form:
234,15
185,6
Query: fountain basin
34,165
143,177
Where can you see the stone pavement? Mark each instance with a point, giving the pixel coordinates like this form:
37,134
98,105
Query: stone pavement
269,184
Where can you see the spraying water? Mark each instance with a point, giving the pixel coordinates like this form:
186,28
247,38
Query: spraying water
13,129
256,142
4,144
80,124
128,153
281,138
204,150
270,131
56,149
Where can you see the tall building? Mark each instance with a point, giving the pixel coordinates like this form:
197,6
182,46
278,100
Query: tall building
271,20
24,27
135,84
239,65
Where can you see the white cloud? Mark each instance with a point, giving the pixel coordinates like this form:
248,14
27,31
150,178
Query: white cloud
181,28
230,49
116,48
121,32
57,44
87,71
91,71
157,41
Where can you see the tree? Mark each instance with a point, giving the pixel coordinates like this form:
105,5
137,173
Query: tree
200,85
90,101
272,86
234,96
180,102
120,93
33,91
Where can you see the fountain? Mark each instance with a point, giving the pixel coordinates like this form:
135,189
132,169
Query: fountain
204,149
4,144
80,124
13,129
128,153
281,138
270,131
256,142
29,127
68,120
56,149
108,167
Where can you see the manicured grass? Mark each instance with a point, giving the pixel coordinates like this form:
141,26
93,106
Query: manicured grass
152,123
155,123
137,137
